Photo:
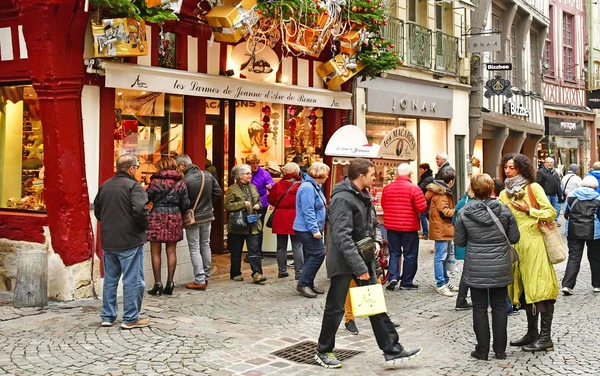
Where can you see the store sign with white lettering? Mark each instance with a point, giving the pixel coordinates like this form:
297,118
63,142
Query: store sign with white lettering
202,85
511,108
565,127
499,66
399,144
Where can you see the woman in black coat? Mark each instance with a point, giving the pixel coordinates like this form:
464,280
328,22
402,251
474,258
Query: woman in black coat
488,269
425,178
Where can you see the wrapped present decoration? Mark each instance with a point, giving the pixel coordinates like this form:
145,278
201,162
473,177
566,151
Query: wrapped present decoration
351,40
120,37
233,20
310,40
339,70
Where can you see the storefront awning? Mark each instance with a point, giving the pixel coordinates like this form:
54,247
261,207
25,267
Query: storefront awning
575,109
138,77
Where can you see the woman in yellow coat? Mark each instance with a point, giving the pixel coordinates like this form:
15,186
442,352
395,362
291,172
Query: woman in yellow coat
535,285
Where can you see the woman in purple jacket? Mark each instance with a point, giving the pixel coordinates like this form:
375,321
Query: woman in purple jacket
263,182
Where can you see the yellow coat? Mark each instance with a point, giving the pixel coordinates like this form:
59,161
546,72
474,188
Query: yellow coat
533,273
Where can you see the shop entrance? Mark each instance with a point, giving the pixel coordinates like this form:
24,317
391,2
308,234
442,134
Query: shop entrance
220,123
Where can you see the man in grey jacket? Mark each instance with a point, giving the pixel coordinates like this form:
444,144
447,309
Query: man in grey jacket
203,188
350,221
120,206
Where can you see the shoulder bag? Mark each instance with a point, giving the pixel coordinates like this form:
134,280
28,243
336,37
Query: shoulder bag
269,223
514,256
555,247
189,217
564,194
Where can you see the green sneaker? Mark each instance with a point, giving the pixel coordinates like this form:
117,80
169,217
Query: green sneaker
328,360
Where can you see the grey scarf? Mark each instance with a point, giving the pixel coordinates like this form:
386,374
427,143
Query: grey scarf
514,186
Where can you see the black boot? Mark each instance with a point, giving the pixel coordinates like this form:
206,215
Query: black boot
532,328
157,289
169,288
544,342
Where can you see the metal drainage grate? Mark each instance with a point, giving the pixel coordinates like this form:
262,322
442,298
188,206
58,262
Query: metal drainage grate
304,352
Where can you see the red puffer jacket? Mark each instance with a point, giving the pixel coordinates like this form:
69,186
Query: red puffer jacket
283,222
402,201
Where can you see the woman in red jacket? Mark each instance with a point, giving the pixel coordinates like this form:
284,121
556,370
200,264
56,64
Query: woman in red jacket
283,198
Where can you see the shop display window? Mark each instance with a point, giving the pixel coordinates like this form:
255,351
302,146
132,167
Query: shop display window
148,125
21,149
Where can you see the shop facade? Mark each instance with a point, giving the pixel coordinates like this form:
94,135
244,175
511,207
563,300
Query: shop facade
69,128
436,116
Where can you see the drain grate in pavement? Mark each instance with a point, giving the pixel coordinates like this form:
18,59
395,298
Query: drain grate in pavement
304,352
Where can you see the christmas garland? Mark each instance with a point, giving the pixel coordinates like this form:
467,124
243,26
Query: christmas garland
137,9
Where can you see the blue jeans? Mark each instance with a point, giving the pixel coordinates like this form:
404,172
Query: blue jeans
314,255
554,202
400,242
424,224
129,264
198,238
439,262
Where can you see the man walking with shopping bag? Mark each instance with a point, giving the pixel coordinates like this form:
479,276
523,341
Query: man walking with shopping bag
351,224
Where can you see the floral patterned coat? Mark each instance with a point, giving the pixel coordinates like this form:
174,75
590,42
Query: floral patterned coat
169,196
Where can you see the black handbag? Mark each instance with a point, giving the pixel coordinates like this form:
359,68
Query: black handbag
238,220
366,248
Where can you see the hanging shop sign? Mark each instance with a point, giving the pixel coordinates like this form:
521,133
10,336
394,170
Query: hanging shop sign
120,75
593,99
386,96
565,127
511,108
498,86
483,43
400,144
499,66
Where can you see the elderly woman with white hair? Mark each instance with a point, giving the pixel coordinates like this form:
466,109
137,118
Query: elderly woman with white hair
583,227
243,204
283,199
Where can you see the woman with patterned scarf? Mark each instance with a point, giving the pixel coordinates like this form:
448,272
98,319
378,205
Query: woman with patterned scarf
535,285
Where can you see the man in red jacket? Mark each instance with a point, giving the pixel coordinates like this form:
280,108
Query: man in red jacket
402,202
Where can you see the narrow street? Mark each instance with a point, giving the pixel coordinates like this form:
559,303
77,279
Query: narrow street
233,328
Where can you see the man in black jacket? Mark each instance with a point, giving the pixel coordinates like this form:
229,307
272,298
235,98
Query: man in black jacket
549,179
351,221
203,189
120,206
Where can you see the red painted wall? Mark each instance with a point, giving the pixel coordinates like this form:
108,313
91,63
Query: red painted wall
23,226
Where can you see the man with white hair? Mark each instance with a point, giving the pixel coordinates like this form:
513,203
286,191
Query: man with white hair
402,202
595,172
442,162
583,228
548,178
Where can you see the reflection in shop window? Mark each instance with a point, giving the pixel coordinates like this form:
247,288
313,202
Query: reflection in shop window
21,149
148,125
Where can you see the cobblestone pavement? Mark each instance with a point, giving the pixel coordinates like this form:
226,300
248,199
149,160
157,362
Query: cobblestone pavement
232,328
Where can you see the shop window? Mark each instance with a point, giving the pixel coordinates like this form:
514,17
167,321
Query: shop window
148,125
21,149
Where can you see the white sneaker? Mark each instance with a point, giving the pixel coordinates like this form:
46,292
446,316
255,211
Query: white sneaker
452,287
444,290
567,291
596,289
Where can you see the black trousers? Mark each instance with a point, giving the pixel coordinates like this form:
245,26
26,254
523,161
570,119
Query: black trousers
574,262
481,324
236,244
385,333
261,214
463,290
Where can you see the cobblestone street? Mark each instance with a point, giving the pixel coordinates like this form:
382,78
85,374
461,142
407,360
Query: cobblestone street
232,328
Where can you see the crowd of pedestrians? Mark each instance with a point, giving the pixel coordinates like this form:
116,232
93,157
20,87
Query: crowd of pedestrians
494,227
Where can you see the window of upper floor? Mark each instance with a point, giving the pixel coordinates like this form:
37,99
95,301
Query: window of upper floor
548,66
514,53
534,62
496,26
568,39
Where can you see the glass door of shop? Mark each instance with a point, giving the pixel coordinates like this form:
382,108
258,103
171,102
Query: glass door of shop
220,151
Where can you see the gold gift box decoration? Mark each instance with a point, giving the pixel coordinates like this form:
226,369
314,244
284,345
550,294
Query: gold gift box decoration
233,20
117,37
336,71
309,40
156,3
350,41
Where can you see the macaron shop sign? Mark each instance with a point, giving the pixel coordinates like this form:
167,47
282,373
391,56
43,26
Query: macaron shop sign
399,144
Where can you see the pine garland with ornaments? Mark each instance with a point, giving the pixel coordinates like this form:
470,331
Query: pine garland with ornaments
137,9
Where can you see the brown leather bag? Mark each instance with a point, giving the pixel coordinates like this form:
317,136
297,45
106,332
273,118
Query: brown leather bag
189,217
